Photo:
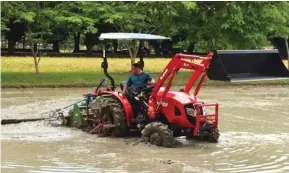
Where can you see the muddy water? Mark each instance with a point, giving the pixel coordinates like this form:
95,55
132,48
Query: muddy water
254,125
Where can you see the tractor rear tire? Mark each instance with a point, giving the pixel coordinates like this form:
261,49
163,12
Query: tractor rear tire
158,134
116,115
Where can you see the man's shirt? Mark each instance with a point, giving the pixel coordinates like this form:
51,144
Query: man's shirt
139,80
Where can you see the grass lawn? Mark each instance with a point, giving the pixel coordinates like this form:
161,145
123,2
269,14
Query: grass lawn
78,72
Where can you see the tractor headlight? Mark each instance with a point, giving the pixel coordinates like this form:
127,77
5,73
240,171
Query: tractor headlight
191,112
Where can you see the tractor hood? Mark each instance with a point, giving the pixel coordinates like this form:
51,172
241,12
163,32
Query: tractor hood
178,96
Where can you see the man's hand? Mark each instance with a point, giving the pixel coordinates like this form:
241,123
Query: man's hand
152,82
124,91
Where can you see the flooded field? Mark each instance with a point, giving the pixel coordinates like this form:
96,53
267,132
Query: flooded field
254,126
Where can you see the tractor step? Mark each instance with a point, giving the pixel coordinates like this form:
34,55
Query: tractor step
137,121
109,126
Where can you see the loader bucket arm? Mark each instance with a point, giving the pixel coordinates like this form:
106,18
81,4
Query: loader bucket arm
176,63
246,65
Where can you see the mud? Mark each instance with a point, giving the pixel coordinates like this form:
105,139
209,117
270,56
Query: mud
253,124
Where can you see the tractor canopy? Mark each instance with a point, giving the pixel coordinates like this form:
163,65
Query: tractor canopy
247,65
130,36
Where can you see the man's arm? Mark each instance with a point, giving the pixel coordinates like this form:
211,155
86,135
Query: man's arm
128,83
151,80
124,89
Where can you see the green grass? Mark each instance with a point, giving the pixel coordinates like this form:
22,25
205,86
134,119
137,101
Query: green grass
85,65
86,72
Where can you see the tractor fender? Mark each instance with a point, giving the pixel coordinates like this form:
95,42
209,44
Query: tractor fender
125,103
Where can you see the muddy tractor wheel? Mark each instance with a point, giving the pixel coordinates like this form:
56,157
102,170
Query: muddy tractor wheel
158,134
67,121
213,136
113,113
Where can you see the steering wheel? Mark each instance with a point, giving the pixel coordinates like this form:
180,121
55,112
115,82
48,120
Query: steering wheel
99,85
148,88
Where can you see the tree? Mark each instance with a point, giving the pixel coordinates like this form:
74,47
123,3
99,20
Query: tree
38,18
91,39
14,33
12,30
77,17
59,35
235,25
141,17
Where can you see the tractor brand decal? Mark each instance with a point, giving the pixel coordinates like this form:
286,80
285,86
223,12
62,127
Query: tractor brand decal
186,65
163,104
163,75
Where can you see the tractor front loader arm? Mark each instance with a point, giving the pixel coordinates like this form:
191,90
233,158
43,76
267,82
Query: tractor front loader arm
176,63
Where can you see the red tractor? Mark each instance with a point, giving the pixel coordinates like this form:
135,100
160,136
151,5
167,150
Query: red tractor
165,113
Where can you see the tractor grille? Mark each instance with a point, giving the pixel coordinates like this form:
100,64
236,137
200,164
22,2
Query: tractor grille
192,119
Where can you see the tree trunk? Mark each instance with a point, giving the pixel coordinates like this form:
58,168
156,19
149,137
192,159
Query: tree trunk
132,58
35,48
55,46
115,45
76,37
141,46
36,64
34,51
287,50
130,51
191,47
132,61
11,46
157,48
89,49
23,42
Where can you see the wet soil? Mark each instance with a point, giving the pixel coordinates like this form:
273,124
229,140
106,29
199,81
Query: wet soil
254,126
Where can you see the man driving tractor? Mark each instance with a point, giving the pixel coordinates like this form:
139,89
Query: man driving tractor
138,79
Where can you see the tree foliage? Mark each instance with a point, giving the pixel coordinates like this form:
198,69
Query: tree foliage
78,17
142,17
201,26
228,25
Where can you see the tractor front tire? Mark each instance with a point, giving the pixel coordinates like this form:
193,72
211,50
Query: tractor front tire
116,115
214,137
158,134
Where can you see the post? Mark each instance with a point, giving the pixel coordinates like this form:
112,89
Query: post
141,61
141,53
287,51
104,65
